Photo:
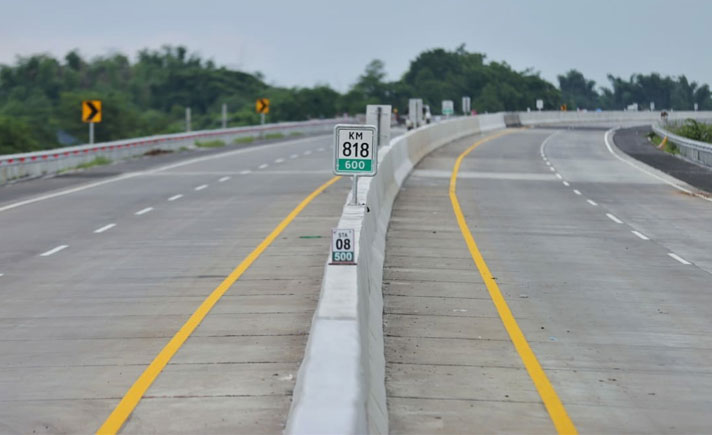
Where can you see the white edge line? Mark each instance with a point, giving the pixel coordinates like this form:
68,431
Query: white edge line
640,235
104,228
614,218
150,171
53,250
678,258
144,211
641,169
174,197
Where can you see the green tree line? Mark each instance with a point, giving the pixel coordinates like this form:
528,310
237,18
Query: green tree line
40,96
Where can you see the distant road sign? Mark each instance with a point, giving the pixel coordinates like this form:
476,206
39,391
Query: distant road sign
262,106
342,246
91,111
355,150
539,104
448,107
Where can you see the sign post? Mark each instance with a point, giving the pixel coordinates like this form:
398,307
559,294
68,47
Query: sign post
91,113
224,116
262,107
187,119
539,104
380,116
342,246
466,105
355,153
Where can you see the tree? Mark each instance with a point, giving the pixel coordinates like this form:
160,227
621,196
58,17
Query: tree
577,91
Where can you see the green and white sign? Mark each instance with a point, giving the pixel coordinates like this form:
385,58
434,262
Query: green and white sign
355,150
342,246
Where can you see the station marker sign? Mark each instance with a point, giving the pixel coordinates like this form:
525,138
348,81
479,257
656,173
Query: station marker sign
355,150
342,246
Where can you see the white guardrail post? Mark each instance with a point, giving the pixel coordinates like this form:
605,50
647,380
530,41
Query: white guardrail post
48,162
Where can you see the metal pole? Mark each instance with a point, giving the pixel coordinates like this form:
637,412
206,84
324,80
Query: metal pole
187,119
378,126
91,133
262,122
354,188
224,116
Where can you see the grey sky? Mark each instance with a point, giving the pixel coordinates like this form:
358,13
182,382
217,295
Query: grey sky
301,43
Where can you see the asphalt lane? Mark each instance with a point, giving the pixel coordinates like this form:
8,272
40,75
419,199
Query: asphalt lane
606,269
78,325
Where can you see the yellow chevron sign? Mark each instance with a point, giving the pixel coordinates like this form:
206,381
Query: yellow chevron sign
262,105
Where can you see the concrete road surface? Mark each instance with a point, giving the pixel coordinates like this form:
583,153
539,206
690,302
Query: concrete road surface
607,270
94,283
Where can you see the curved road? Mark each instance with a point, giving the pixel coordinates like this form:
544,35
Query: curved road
606,269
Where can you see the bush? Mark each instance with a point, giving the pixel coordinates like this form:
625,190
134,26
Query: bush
210,144
694,130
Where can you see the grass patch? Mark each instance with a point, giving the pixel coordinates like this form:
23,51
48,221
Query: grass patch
183,149
669,147
269,136
210,144
296,133
98,161
243,140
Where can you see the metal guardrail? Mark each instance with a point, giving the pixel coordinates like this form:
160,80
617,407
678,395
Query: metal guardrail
696,151
35,164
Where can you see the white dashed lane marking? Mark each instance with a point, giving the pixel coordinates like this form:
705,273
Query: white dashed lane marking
293,156
640,235
566,183
104,228
678,258
245,172
577,192
201,187
593,203
614,218
279,160
262,166
223,179
54,250
144,211
307,152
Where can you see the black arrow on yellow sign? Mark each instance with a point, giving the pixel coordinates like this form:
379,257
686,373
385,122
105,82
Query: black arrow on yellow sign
91,111
262,105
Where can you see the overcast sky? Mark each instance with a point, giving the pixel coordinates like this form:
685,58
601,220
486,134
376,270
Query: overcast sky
304,42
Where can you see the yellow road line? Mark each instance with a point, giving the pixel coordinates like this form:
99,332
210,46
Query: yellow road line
122,411
557,412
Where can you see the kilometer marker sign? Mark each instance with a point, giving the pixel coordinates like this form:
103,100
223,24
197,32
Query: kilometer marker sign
355,150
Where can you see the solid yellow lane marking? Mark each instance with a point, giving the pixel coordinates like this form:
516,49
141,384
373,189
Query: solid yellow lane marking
557,412
122,411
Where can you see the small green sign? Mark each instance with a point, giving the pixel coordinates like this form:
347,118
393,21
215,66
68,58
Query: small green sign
355,165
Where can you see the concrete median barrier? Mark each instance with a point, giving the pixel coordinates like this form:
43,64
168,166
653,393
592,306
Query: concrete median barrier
340,386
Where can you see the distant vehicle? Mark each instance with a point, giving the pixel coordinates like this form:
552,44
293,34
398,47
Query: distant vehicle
426,114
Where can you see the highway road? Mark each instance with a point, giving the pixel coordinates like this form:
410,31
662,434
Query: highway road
606,271
96,277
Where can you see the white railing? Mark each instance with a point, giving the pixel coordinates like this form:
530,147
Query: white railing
36,164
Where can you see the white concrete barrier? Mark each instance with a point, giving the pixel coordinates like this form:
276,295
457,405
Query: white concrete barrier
551,117
341,382
36,164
